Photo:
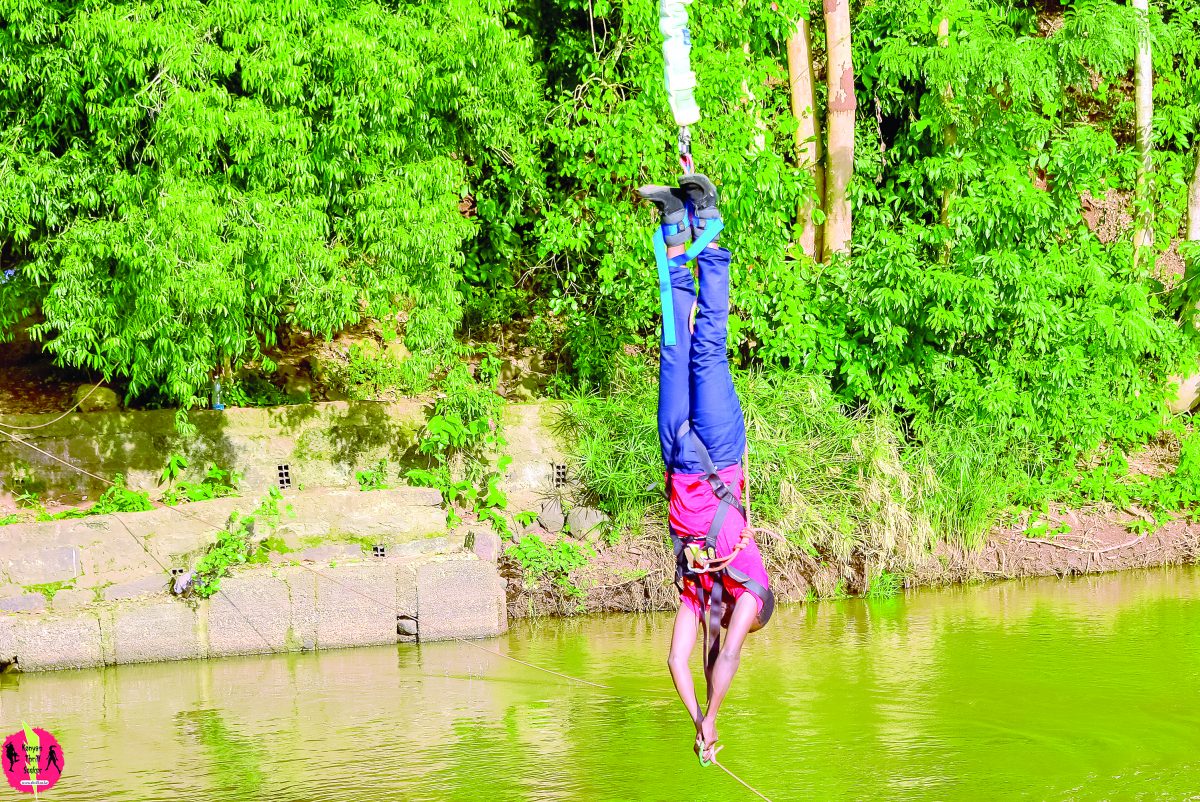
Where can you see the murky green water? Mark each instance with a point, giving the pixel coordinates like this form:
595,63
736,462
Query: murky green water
1087,689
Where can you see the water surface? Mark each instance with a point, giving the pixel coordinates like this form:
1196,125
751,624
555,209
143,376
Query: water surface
1072,690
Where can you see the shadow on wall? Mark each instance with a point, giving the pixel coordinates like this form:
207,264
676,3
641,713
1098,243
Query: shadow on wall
321,445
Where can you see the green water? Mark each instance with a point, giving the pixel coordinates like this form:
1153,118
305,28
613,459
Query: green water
1084,689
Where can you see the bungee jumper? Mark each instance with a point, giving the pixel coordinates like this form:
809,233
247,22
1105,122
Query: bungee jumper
719,569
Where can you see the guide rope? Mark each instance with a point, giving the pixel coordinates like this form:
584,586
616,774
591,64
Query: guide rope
56,420
383,605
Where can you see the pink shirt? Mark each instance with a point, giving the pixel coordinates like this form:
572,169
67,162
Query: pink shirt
692,508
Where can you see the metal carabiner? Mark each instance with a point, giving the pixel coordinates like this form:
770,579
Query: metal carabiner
685,151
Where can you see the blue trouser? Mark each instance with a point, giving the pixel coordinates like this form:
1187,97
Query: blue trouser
693,375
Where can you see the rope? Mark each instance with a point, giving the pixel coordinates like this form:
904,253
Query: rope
744,784
270,647
56,420
136,538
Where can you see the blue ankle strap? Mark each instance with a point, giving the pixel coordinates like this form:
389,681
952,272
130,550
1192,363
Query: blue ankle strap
711,230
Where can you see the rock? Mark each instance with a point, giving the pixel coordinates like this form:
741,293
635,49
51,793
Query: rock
527,388
356,605
518,392
586,523
406,626
26,566
72,599
331,551
551,517
298,387
101,400
397,350
486,545
1187,390
264,600
510,372
159,630
145,586
25,603
53,642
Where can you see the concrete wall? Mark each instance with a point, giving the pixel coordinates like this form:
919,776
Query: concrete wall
105,553
267,610
322,444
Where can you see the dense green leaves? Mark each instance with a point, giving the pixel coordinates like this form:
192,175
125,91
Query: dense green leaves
181,180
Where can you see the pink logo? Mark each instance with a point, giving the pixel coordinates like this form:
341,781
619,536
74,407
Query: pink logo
32,760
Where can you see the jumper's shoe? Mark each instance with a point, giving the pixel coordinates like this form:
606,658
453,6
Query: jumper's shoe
671,203
702,194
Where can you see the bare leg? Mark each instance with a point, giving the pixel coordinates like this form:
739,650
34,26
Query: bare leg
683,640
744,614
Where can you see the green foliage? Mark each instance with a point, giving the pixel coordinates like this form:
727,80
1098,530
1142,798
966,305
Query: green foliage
885,585
1154,500
536,559
370,374
235,546
463,432
254,391
217,482
49,589
119,498
831,480
373,478
180,181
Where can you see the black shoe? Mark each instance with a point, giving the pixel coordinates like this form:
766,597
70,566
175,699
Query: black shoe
703,195
670,203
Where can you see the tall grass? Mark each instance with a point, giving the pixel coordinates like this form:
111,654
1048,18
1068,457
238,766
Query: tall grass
838,483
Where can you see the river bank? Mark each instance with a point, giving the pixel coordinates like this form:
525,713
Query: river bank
636,574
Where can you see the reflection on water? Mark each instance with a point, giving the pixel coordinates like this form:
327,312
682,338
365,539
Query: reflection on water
1084,689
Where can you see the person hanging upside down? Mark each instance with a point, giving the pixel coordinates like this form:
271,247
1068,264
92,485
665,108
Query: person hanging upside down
723,582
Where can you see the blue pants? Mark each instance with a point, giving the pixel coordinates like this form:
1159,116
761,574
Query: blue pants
693,375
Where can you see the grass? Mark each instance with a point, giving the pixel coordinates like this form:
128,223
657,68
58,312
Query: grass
833,481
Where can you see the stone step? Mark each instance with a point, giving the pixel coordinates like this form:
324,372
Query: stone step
104,549
268,609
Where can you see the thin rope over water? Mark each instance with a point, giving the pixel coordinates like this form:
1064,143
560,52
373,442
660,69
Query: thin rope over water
270,647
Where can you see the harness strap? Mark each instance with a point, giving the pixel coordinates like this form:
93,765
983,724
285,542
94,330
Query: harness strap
712,623
664,288
711,229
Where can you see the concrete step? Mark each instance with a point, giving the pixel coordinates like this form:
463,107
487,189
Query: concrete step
270,609
108,549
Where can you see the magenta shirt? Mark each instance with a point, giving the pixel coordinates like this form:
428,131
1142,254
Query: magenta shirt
692,508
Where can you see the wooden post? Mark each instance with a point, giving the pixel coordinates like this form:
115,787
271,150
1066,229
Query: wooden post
808,134
842,105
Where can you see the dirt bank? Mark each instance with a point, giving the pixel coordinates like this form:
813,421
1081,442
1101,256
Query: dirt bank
636,574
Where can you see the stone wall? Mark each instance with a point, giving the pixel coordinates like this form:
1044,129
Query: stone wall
113,555
270,609
322,445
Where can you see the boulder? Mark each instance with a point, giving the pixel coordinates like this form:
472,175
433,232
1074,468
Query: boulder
551,517
587,523
102,399
486,544
1186,393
